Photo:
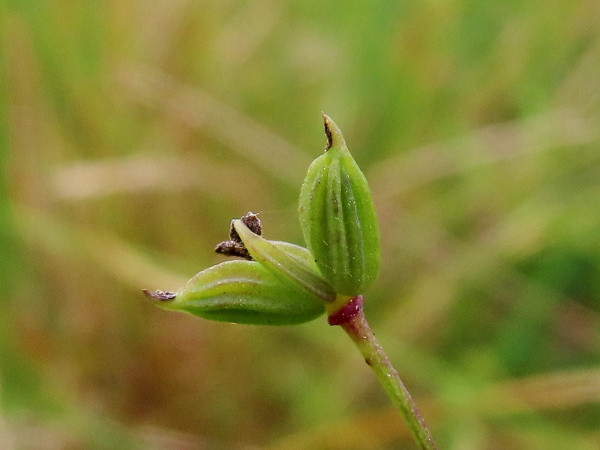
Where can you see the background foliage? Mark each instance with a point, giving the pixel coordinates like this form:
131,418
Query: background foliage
132,132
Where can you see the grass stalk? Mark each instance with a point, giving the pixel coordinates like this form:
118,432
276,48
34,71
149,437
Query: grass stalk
353,321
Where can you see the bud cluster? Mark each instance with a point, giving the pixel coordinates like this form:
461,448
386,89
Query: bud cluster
279,283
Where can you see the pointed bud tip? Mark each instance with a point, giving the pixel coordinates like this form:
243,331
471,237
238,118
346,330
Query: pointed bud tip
161,296
333,133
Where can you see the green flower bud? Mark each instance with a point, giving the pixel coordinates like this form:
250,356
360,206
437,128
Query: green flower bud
338,217
242,292
290,263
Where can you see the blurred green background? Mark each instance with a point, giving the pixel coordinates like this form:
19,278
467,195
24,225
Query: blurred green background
132,132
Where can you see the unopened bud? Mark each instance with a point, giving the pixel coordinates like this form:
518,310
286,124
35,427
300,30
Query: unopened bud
338,219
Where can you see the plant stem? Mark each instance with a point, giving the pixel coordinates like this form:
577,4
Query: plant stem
352,319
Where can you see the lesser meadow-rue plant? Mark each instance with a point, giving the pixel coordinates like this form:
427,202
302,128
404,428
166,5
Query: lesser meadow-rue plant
278,283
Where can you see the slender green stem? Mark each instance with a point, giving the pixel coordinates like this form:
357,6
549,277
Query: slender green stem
352,319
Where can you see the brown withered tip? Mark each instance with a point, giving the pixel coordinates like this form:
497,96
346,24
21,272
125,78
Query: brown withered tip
333,132
232,248
161,296
235,246
327,131
253,223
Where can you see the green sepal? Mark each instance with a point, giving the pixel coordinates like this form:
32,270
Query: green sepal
243,292
338,218
290,263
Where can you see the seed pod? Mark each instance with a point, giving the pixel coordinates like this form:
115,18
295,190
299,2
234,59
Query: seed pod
242,292
338,219
290,263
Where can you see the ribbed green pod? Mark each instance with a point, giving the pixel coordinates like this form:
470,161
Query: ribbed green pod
338,219
242,292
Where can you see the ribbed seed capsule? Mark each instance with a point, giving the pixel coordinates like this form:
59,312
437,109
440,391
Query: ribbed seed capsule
280,284
338,219
242,292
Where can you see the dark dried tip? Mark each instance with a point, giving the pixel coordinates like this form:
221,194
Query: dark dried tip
327,132
252,221
333,133
161,296
232,248
348,311
235,246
